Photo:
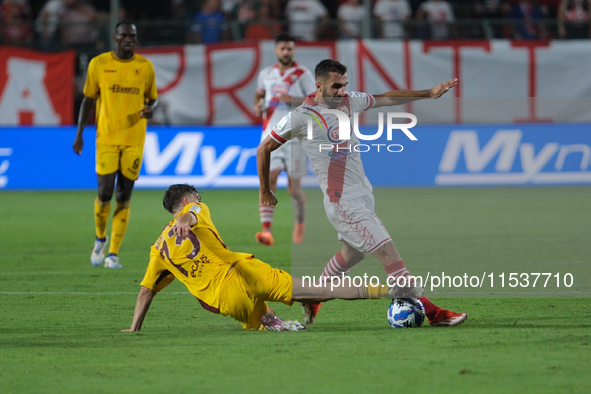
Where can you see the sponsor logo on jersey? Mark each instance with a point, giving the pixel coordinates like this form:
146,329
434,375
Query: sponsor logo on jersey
110,71
281,123
278,89
333,135
124,89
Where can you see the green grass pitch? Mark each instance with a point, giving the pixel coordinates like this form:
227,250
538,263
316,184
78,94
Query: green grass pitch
60,317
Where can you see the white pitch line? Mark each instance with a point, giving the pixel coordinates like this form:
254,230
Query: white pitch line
81,293
487,294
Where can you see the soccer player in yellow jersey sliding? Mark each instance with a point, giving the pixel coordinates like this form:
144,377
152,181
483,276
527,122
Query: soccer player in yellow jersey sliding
123,84
191,250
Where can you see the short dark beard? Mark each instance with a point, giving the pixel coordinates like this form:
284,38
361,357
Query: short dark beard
284,63
333,101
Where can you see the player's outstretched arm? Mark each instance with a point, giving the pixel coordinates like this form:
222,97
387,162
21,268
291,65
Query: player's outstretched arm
183,225
149,108
83,116
398,97
144,300
266,196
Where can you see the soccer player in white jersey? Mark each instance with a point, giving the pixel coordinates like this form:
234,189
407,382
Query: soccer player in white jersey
279,86
348,198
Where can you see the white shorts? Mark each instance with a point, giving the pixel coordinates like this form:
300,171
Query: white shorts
357,224
290,157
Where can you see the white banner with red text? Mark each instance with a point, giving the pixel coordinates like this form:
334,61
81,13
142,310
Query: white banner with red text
215,84
515,81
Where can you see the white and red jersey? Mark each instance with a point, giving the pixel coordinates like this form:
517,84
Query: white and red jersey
337,164
297,81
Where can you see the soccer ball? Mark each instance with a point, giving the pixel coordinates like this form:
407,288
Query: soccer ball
406,312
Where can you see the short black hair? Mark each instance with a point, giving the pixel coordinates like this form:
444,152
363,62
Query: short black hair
175,194
284,37
325,67
130,23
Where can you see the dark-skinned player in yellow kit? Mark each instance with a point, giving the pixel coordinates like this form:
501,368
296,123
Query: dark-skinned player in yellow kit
123,84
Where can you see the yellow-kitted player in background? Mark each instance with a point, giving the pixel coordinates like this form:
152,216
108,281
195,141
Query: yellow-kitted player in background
123,84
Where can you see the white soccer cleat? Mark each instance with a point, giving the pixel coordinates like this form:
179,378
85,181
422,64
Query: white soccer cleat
98,252
112,262
273,323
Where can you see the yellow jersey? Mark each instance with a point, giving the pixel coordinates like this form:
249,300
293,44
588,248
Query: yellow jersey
200,261
121,88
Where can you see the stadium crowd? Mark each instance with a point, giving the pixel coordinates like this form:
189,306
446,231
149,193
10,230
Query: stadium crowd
85,23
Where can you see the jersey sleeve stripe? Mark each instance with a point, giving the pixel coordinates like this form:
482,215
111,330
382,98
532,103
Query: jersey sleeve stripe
277,137
196,217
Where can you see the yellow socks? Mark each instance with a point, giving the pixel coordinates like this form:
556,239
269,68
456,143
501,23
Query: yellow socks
120,220
101,214
373,292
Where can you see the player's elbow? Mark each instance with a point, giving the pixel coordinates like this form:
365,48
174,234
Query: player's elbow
262,151
87,102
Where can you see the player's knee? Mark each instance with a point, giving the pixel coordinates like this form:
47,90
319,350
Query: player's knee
352,255
105,194
123,196
388,252
356,257
124,193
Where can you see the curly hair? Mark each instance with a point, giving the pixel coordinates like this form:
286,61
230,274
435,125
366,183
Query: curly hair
175,194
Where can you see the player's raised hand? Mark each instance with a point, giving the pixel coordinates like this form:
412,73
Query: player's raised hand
78,144
442,88
267,198
147,112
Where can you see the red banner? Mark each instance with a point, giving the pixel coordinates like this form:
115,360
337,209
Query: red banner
36,88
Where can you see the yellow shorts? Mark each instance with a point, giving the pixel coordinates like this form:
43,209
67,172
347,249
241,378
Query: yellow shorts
246,288
127,158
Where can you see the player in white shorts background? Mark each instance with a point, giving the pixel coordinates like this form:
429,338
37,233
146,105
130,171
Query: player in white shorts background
278,87
348,198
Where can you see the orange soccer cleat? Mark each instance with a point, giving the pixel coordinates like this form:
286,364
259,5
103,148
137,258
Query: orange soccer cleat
265,238
445,317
